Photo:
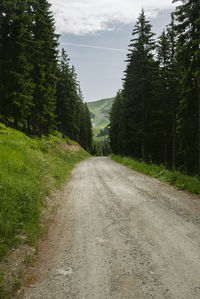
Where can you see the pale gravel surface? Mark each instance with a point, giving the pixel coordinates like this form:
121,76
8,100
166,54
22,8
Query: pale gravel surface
120,234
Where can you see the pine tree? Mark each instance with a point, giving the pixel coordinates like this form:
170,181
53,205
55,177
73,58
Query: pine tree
173,78
87,124
63,107
30,73
68,105
16,86
161,109
116,132
6,16
167,98
77,104
138,86
44,59
188,55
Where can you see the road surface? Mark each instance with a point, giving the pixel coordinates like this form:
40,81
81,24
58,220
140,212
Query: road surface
120,234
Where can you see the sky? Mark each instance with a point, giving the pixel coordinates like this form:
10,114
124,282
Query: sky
96,35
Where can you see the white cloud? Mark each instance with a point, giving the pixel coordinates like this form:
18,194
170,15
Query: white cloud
89,16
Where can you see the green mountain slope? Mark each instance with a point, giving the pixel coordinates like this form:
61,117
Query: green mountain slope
100,114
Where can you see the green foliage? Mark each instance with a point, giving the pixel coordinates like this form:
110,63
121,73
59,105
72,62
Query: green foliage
137,91
156,116
166,100
104,146
67,99
16,84
9,285
3,286
176,178
28,59
39,91
29,169
117,123
96,150
100,111
86,134
188,56
44,61
73,116
103,132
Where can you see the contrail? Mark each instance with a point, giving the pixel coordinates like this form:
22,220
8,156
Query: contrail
94,47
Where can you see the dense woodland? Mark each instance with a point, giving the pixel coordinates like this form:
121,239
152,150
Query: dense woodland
156,115
39,91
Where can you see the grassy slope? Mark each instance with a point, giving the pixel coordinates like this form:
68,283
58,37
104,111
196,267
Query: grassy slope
29,169
176,178
101,110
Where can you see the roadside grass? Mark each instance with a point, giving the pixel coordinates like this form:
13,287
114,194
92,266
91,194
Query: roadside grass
29,169
176,178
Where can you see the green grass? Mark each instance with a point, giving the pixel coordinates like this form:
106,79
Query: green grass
176,178
100,109
29,170
9,286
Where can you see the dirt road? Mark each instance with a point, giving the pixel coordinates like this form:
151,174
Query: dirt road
120,234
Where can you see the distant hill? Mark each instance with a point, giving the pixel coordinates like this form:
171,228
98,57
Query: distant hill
100,114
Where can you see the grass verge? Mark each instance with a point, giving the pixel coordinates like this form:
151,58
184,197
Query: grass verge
30,168
176,178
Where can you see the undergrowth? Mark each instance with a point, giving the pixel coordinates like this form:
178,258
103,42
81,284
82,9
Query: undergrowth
29,169
176,178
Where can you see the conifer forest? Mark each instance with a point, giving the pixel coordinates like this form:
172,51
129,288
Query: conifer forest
156,116
39,91
77,226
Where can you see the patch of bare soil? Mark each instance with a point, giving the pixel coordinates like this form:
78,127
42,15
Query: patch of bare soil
70,147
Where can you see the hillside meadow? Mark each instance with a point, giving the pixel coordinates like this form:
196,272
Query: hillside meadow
29,169
100,111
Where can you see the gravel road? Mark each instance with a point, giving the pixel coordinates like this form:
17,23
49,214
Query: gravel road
120,234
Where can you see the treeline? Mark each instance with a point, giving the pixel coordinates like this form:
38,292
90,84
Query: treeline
156,116
103,132
39,91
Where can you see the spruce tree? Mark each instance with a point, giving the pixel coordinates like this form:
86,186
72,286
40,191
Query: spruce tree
116,132
68,102
137,93
16,85
188,55
88,129
77,103
173,86
167,98
161,107
44,59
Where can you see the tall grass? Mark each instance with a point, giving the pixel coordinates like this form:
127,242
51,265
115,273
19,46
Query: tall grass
29,169
176,178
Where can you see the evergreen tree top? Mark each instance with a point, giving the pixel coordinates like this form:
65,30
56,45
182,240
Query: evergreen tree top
142,41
